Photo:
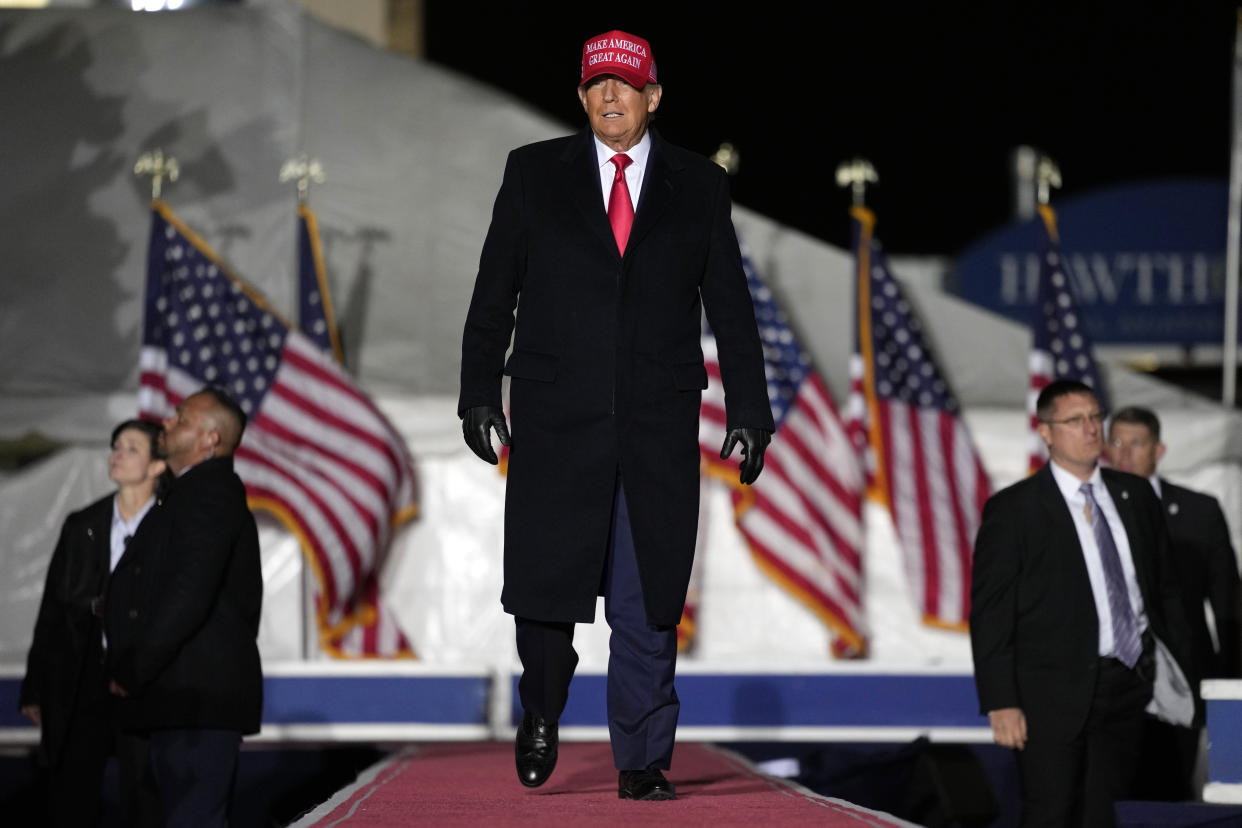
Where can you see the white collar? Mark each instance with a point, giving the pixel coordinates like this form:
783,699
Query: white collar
133,522
1070,484
637,153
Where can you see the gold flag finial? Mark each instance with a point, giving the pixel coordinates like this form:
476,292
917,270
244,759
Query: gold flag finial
304,170
1047,176
157,165
856,174
727,158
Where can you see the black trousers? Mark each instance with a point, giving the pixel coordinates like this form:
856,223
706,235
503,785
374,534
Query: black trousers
642,703
1167,768
1075,779
75,779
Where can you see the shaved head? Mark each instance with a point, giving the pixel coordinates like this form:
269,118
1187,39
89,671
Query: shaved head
208,423
227,418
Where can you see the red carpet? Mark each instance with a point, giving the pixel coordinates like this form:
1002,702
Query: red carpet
475,784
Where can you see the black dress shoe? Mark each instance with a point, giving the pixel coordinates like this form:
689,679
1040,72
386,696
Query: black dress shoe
646,785
534,750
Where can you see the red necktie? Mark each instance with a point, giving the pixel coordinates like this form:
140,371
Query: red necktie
620,208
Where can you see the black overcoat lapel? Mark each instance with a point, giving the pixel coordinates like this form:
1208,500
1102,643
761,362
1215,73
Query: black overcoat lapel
658,188
100,533
583,177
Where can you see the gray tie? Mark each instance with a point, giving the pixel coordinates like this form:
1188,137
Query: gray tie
1127,641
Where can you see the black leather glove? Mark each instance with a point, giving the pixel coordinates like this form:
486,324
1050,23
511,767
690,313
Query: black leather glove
754,443
475,425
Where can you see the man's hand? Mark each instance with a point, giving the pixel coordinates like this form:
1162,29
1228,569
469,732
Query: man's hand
754,443
33,712
1008,727
476,425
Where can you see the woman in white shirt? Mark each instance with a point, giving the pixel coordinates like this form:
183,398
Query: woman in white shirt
65,689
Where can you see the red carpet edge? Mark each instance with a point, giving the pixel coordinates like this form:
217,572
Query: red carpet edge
474,783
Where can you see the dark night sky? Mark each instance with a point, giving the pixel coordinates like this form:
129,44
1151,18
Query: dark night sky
936,95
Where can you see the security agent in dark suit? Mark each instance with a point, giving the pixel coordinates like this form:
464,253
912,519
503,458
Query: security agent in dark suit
183,617
616,242
1074,613
1207,572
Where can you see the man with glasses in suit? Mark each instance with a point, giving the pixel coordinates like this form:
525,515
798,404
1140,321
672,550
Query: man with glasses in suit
1071,599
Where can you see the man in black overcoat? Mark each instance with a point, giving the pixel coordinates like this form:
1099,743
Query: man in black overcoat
1207,574
1075,616
182,617
611,244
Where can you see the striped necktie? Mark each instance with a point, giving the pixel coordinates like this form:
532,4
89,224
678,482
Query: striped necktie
1127,640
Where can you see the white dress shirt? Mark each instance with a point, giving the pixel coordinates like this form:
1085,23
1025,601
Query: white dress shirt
122,529
633,173
1069,485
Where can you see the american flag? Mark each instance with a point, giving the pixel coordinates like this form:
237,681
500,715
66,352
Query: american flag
376,625
803,517
317,453
1060,346
908,427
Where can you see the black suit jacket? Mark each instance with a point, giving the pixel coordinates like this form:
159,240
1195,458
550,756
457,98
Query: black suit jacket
183,609
1204,560
607,369
1033,625
66,633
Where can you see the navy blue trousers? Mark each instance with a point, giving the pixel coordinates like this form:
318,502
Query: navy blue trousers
642,660
194,771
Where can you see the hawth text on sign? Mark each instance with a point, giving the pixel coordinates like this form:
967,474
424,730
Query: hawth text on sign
1147,263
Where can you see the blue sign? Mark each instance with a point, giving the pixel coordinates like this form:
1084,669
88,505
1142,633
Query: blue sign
1147,262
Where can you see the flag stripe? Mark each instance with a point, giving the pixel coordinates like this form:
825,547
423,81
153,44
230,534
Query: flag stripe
955,602
803,517
325,520
349,523
321,393
809,538
906,414
260,484
309,440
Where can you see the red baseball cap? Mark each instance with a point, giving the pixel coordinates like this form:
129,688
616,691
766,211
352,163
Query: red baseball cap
617,53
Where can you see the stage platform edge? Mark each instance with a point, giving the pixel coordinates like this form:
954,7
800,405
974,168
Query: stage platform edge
1223,700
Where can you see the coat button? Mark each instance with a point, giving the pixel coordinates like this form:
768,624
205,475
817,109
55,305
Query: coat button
137,570
133,614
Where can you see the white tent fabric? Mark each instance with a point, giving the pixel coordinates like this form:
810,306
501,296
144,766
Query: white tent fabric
413,155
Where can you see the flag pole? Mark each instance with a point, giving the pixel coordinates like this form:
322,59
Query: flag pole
856,174
157,165
305,170
1229,355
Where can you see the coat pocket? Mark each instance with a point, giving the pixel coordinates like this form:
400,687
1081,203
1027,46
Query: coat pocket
531,365
690,376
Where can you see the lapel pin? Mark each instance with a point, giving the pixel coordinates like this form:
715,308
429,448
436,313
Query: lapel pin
90,533
1125,494
1172,508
